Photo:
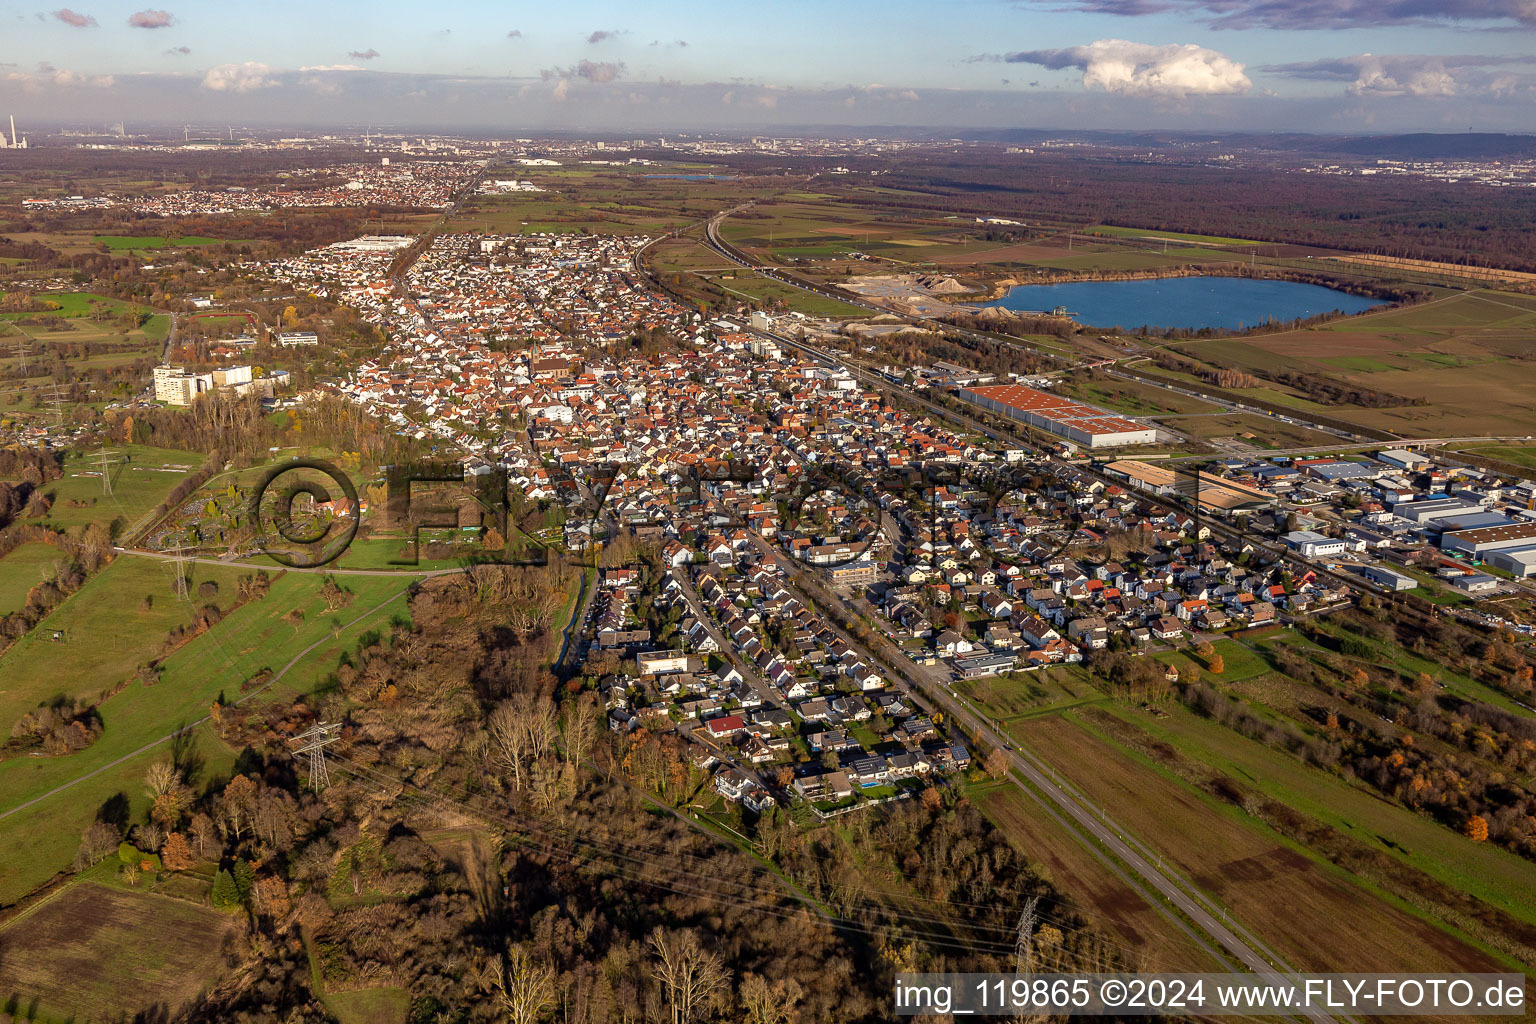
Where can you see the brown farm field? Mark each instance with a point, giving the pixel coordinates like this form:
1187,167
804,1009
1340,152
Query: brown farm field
1309,913
1467,355
1102,895
98,953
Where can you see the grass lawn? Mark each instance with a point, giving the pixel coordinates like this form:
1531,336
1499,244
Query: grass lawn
74,304
1118,232
121,242
250,639
1520,455
23,569
105,636
141,478
1238,662
1022,693
99,952
369,1005
753,286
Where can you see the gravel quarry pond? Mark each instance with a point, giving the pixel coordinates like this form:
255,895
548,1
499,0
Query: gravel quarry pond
1223,303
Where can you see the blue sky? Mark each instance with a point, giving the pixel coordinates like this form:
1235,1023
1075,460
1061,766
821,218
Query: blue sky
1328,65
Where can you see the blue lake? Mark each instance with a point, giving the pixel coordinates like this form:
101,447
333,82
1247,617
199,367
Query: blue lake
1224,303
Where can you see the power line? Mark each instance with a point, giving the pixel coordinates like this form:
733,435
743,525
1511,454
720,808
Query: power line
315,741
103,456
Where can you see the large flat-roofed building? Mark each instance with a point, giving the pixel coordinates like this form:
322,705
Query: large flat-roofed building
175,386
1216,494
1491,538
1519,562
1312,544
1084,424
1389,578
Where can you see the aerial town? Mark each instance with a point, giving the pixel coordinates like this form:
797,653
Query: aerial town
573,518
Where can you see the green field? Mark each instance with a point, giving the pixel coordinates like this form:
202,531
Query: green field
1016,694
141,478
1487,872
1436,355
749,285
23,569
369,1005
1520,455
104,637
76,304
1238,662
251,639
120,242
1181,236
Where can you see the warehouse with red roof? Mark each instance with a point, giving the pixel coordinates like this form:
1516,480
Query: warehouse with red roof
1082,424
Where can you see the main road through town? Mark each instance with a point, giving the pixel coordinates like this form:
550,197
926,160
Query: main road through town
1089,822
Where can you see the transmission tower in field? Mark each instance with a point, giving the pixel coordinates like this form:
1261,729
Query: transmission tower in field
106,460
314,743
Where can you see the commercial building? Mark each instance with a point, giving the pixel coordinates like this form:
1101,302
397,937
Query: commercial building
1399,459
1520,562
1083,424
1391,579
1492,538
1216,494
1475,582
1311,544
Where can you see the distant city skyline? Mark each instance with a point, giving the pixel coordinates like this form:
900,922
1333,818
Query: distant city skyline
1310,65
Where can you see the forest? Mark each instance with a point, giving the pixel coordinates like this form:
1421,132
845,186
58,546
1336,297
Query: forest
489,846
1451,222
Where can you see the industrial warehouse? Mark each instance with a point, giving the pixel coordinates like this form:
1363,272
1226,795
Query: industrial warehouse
1075,421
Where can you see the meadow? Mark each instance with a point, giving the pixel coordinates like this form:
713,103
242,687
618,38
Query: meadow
131,243
141,478
1442,353
23,569
61,794
1306,908
1149,939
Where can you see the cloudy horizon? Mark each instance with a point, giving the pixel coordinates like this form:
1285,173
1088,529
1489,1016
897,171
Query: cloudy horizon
1344,66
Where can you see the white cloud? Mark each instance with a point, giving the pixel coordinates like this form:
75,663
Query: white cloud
1128,68
245,77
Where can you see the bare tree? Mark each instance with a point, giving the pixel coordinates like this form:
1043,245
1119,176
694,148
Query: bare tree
522,729
692,977
523,988
769,1003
